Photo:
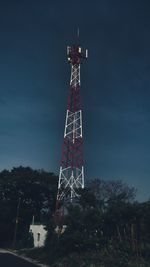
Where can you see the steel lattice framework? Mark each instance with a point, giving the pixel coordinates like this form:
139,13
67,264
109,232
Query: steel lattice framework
71,175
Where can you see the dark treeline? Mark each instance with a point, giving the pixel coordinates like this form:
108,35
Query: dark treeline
34,191
107,227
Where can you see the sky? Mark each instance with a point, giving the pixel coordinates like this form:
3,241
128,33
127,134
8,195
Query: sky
34,84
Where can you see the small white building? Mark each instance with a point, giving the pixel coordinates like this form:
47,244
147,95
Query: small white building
39,234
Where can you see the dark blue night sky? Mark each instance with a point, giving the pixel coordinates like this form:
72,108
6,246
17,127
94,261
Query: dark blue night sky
34,83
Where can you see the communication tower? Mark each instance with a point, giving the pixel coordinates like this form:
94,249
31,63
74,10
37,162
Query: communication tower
71,174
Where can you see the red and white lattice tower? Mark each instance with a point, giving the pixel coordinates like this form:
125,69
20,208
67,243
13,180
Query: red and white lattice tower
71,175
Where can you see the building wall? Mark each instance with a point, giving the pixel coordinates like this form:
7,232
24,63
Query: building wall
39,234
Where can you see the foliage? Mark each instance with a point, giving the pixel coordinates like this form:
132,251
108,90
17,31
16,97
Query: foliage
106,227
36,192
112,191
107,222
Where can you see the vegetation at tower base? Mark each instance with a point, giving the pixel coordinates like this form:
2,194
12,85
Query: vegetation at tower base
106,228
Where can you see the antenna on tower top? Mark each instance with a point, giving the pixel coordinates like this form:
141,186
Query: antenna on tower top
78,33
